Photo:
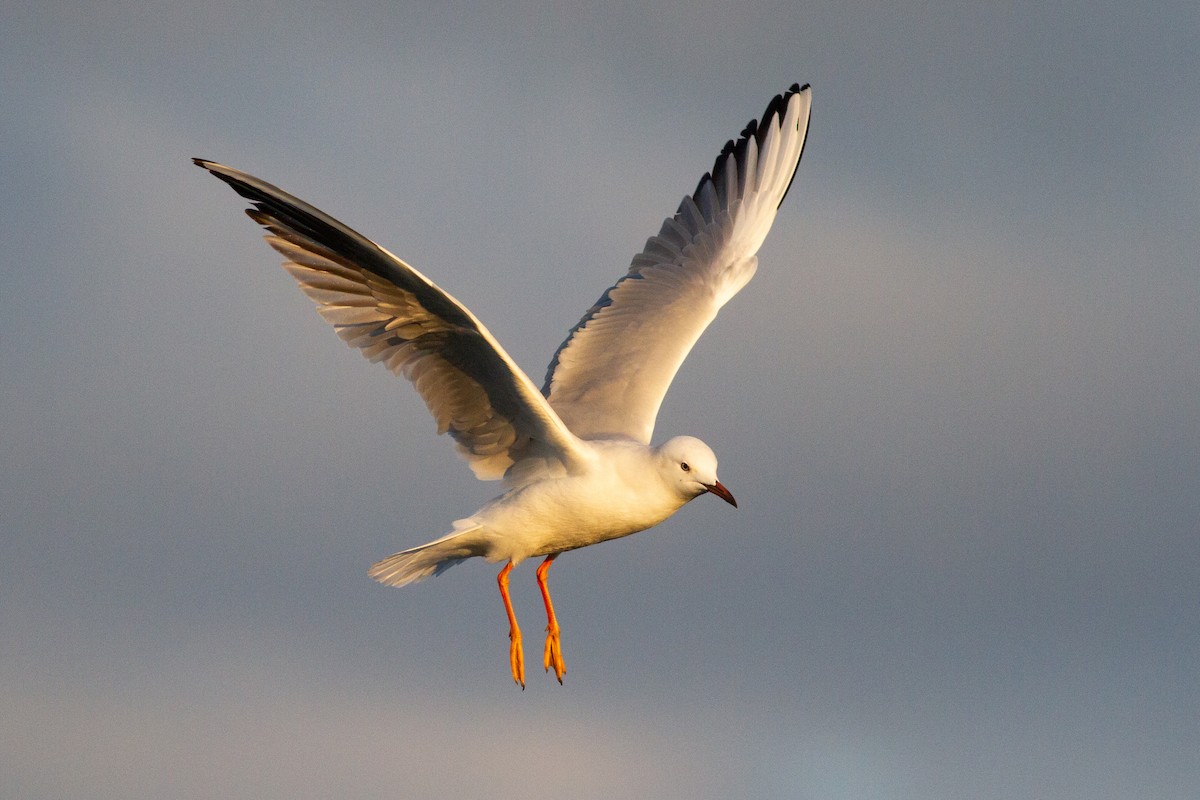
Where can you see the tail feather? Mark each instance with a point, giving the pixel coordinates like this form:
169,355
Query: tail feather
432,558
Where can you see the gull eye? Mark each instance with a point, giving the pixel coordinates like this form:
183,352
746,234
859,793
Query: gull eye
684,466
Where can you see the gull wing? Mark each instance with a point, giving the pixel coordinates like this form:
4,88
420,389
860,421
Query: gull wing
609,377
398,317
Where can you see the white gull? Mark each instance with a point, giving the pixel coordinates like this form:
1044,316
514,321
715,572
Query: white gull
576,457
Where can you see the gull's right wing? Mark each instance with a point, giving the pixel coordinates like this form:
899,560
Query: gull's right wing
610,375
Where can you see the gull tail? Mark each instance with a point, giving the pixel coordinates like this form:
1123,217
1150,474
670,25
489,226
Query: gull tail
432,558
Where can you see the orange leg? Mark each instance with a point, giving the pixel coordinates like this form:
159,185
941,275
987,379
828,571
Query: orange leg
553,654
516,653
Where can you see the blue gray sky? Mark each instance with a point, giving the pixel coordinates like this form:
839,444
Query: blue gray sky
958,404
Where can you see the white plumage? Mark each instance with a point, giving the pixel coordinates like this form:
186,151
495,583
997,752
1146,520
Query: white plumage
576,457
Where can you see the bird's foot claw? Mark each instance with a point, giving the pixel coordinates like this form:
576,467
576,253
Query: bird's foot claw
552,656
516,658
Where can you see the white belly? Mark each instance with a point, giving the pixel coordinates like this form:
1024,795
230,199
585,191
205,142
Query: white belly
563,514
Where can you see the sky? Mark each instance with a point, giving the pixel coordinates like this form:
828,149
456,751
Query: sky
959,404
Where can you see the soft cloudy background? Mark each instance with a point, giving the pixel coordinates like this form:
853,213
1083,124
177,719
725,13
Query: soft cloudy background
959,405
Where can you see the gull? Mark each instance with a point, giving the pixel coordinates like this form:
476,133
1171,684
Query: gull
575,457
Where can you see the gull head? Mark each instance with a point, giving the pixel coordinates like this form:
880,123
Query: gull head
691,466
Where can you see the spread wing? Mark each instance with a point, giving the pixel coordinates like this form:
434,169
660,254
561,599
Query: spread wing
610,375
398,317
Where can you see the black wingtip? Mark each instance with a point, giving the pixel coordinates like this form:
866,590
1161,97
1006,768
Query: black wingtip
755,129
797,90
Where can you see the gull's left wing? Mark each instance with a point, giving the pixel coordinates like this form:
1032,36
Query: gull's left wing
397,316
610,375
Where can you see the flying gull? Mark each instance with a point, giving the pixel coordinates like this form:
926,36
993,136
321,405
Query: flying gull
576,457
